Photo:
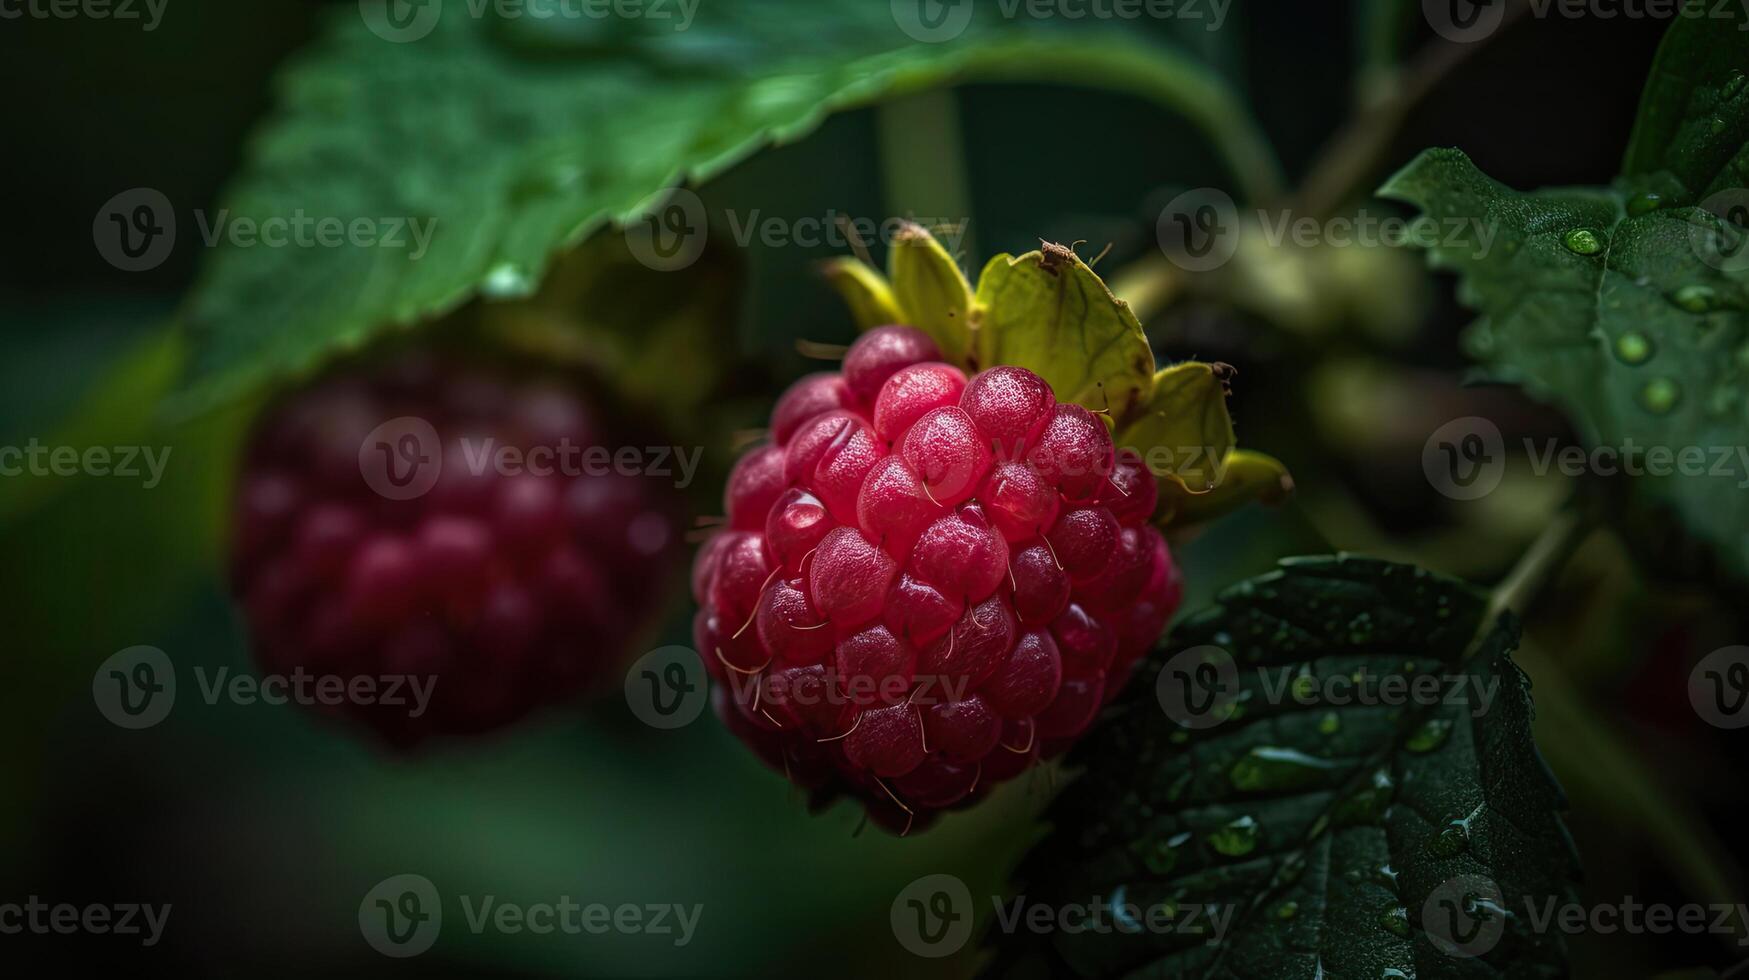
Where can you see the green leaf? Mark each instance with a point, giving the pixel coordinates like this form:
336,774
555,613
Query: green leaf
1630,318
1047,311
932,292
1694,114
508,142
651,334
865,291
1183,431
1322,829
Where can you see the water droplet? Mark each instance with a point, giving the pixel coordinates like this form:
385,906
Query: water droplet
1270,768
1717,126
1450,841
1582,241
1305,686
1393,973
1236,838
1695,298
507,279
1287,910
1431,735
1161,858
1395,921
1660,395
1644,203
1330,724
1633,347
1733,86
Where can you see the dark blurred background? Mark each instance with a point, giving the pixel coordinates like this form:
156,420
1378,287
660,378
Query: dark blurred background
263,827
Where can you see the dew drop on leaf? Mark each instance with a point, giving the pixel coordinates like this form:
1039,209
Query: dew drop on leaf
1644,203
1633,347
508,279
1695,298
1431,735
1395,921
1236,838
1582,241
1660,395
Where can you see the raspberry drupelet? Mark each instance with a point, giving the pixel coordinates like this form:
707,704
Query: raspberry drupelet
927,582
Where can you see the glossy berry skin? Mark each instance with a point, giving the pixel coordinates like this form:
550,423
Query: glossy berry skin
501,588
953,577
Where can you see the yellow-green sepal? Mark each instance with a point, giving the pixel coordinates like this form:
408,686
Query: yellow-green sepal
1049,312
932,293
867,293
1245,476
1183,432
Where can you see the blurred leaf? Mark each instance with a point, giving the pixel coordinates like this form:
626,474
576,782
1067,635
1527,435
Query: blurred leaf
931,291
115,410
1048,311
505,146
1627,315
865,291
653,334
1184,432
1325,829
1694,114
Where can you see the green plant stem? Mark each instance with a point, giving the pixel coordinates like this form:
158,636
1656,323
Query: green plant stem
1537,568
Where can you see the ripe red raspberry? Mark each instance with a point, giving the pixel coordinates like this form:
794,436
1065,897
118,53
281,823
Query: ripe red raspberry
466,528
927,582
